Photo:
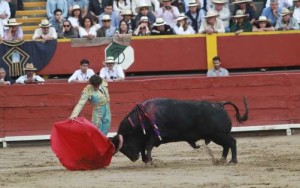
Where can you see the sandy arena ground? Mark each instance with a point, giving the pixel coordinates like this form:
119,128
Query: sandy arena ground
269,161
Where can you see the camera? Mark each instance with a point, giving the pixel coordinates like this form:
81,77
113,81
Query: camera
168,8
112,77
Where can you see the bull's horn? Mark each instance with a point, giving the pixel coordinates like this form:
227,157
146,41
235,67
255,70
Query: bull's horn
121,141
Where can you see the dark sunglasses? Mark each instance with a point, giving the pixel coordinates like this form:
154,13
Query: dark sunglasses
105,20
66,25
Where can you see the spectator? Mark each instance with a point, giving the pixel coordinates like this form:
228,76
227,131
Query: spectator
14,31
111,71
286,22
107,30
182,27
124,28
144,10
128,18
97,95
68,31
83,74
57,21
273,12
263,24
121,5
13,8
160,27
30,77
281,3
217,70
86,29
4,12
212,24
52,5
143,27
95,22
168,12
223,11
139,3
1,32
244,5
296,13
201,4
83,4
76,17
240,23
4,78
108,10
45,32
96,7
195,15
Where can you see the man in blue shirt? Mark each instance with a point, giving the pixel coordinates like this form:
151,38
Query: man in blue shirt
273,12
108,10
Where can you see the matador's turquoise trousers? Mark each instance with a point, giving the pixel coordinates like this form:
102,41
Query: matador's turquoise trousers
102,118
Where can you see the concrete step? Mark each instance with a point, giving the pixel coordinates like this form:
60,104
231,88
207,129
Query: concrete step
28,36
34,4
29,28
30,21
31,13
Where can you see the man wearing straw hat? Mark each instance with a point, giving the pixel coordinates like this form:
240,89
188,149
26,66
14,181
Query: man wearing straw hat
106,30
160,27
168,12
144,9
247,8
223,11
127,16
139,3
212,24
195,15
273,12
45,32
240,22
14,31
108,10
286,21
112,71
30,77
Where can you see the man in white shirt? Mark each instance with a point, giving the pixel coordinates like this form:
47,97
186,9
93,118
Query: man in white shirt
30,77
111,71
296,13
168,12
223,11
217,70
4,12
212,24
45,32
83,74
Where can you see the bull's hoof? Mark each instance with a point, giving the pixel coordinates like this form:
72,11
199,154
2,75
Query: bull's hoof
233,162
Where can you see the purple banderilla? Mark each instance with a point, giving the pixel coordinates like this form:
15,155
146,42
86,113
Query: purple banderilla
153,124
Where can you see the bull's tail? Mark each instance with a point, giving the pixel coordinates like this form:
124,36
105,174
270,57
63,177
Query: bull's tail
238,116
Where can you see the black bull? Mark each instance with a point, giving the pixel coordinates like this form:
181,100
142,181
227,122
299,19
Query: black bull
160,121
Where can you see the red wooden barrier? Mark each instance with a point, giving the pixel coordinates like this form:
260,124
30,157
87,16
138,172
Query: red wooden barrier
32,109
179,53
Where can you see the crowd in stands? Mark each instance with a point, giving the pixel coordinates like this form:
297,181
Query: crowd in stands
104,18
